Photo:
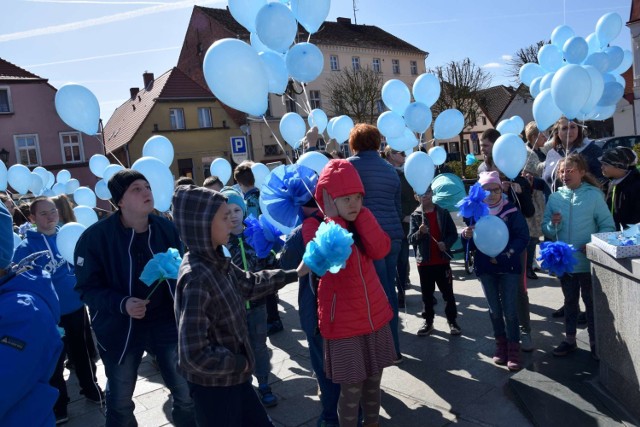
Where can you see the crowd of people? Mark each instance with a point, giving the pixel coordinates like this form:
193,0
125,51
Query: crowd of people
207,329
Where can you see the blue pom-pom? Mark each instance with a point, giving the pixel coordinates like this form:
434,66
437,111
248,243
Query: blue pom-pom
473,206
329,249
557,257
471,159
261,235
161,267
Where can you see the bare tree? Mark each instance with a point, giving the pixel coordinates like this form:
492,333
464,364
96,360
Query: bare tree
355,93
460,82
521,57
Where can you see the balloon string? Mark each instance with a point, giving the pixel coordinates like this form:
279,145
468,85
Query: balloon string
15,205
104,144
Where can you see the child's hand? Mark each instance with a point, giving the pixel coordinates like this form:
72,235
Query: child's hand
303,269
467,233
330,208
136,307
442,247
556,218
424,229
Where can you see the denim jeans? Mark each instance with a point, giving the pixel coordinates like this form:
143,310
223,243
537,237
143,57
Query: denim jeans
403,266
308,312
572,286
231,406
387,269
501,291
121,383
257,325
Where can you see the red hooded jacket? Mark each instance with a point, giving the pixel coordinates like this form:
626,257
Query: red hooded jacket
351,302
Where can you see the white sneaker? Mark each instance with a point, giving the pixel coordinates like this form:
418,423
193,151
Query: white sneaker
526,343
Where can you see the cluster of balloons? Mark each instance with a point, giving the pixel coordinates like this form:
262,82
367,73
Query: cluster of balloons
577,77
243,75
39,182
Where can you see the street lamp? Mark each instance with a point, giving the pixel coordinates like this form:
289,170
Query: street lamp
4,156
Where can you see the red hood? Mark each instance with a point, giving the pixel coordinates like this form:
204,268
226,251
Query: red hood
340,178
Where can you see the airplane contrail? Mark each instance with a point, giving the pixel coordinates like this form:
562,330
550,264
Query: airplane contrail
112,55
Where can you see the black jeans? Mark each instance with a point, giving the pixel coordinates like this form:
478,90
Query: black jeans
572,286
232,406
430,275
78,343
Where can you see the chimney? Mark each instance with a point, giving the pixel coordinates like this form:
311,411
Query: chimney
344,21
147,78
133,92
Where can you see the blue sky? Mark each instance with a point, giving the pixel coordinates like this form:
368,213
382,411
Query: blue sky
106,45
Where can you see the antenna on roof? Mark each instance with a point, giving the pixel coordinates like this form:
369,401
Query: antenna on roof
355,9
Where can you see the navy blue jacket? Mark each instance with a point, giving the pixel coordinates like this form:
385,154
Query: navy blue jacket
104,268
382,191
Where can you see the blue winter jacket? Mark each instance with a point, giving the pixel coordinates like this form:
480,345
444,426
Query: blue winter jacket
382,191
584,212
103,270
62,273
30,346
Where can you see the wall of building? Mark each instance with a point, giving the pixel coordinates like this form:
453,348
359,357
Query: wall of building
623,120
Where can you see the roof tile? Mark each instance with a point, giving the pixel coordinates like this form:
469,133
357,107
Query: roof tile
9,71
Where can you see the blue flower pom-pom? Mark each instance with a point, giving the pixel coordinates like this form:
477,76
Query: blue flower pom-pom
161,267
329,249
470,159
261,235
473,206
557,257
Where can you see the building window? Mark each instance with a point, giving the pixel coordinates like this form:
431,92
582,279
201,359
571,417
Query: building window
376,65
5,100
355,63
176,115
71,145
335,65
292,107
27,149
414,68
204,117
395,66
484,121
314,99
272,150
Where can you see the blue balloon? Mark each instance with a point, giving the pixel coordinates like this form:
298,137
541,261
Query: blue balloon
513,125
604,113
313,160
19,177
396,95
342,128
43,174
235,74
160,180
575,50
570,89
83,196
276,70
63,176
550,57
600,60
292,129
36,185
545,83
448,124
78,107
58,188
330,127
391,124
260,172
593,42
417,117
419,170
276,26
438,155
221,168
318,118
160,147
616,56
545,111
597,86
311,14
426,89
66,239
491,235
608,27
102,190
246,11
611,94
509,154
85,215
16,241
304,62
71,186
97,164
3,177
627,61
561,34
404,142
257,44
529,72
51,179
109,171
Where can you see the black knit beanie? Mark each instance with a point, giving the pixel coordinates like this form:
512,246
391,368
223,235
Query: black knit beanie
120,181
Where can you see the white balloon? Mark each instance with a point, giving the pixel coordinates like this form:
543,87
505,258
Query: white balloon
260,172
222,169
160,147
85,215
313,160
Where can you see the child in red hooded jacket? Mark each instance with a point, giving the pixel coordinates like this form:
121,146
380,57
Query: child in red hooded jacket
353,309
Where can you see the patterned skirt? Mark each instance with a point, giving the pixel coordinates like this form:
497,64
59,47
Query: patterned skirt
352,360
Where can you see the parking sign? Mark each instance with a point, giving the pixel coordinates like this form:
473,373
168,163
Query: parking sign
239,151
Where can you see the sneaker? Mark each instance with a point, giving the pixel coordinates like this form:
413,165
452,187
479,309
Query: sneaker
274,327
267,397
399,360
558,313
582,318
526,343
454,328
61,415
427,329
564,348
96,397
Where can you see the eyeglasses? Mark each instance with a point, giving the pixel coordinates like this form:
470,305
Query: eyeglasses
494,190
398,152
